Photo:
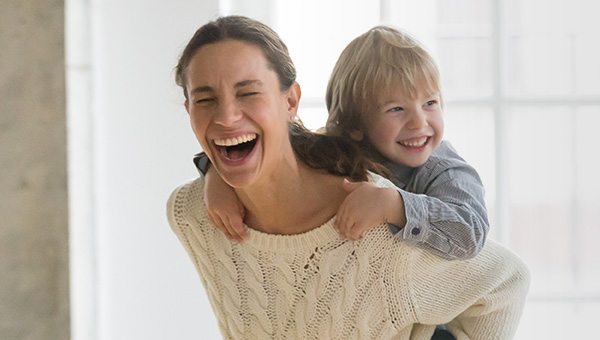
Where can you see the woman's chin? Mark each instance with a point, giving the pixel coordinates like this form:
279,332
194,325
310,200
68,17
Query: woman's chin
238,176
239,181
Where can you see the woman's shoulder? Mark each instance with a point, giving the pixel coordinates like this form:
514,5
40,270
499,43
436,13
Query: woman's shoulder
186,200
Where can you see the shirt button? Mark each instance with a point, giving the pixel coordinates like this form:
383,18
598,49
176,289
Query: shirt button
415,231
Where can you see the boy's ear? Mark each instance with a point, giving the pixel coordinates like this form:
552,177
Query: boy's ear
187,106
357,135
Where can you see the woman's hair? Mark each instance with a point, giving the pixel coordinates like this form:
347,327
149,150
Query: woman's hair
369,67
242,29
333,154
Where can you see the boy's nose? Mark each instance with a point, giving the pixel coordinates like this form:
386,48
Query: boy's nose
418,120
227,114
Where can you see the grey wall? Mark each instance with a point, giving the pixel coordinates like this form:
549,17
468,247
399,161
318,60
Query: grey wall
34,285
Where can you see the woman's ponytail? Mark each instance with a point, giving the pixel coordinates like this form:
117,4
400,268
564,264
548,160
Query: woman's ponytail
334,154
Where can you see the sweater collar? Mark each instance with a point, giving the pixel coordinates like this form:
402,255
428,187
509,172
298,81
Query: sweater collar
311,239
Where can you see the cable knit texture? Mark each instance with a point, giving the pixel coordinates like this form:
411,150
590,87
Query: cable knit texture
317,285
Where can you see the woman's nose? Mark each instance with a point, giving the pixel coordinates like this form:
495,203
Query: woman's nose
228,114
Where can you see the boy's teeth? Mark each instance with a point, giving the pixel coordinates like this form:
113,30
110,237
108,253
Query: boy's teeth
235,140
417,143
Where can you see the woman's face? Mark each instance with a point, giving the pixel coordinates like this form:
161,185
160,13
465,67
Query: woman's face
237,110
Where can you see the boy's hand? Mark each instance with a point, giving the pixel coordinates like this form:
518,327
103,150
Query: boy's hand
367,206
224,208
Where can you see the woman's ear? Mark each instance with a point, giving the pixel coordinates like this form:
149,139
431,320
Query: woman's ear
293,99
357,135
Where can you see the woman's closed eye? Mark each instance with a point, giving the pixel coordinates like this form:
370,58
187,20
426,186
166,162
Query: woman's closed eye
248,94
204,100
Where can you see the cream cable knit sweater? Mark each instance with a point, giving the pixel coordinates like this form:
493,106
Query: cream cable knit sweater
316,285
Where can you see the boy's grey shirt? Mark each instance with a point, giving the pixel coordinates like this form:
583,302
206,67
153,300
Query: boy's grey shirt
444,204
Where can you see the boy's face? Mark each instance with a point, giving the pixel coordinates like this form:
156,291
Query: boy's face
403,129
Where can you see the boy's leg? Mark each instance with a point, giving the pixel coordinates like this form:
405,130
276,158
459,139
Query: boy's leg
442,334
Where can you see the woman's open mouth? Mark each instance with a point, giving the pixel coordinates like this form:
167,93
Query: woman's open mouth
236,148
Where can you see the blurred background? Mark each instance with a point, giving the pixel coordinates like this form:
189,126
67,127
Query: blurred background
94,137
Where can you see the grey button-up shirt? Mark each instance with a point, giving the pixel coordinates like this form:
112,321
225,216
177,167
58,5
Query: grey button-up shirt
444,204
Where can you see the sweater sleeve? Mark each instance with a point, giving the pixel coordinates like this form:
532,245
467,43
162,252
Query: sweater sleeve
178,222
481,298
446,214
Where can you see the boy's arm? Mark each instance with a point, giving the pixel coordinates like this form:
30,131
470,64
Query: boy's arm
366,206
224,209
446,214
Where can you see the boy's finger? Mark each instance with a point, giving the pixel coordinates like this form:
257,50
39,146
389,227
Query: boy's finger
342,222
355,233
338,217
219,224
350,186
216,221
227,233
238,225
348,231
237,228
344,225
233,233
337,222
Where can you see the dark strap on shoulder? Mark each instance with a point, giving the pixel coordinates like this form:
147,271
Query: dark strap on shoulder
201,161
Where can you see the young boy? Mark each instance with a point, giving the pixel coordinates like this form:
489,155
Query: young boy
385,94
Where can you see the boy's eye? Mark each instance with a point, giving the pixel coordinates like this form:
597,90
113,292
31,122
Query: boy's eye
396,109
431,102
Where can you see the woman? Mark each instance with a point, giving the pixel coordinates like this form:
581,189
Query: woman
294,277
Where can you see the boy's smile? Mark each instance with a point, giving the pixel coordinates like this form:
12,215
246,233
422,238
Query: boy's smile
414,142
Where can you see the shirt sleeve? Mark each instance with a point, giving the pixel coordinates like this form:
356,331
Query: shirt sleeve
446,213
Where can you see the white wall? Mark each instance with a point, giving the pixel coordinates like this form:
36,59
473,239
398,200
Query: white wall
146,285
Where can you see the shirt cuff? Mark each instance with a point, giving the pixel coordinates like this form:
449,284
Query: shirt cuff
417,223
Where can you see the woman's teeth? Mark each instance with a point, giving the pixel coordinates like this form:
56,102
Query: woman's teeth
415,143
236,148
235,140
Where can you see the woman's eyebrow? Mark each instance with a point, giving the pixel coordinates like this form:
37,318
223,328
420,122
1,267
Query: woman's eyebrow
242,83
201,89
248,82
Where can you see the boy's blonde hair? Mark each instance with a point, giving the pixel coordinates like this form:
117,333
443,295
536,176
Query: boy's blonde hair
368,68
